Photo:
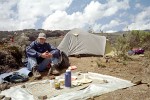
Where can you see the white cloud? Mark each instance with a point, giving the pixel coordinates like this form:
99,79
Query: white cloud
61,21
36,8
123,14
27,12
141,21
92,12
113,6
7,14
97,27
113,23
23,14
111,31
6,9
138,5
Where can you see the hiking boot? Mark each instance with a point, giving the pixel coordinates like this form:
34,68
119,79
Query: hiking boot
54,71
36,73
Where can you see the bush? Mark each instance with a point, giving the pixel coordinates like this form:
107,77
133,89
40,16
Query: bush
133,39
122,46
139,39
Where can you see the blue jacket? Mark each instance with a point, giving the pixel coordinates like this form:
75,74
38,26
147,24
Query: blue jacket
35,49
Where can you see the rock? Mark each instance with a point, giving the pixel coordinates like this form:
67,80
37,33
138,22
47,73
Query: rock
136,80
42,97
23,86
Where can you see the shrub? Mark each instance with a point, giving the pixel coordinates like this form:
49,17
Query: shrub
131,40
139,39
122,46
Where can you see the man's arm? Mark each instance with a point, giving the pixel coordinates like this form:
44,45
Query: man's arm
54,51
31,52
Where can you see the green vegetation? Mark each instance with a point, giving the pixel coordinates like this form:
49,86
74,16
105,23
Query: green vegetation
99,64
139,39
108,47
122,46
16,53
133,39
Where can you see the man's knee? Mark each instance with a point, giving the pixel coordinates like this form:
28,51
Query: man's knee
31,63
55,61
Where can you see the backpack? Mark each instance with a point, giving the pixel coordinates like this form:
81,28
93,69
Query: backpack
64,61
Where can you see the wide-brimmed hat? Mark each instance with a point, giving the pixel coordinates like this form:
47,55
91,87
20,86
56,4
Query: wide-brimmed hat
42,35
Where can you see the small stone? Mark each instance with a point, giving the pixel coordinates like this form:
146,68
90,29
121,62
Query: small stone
42,97
23,86
136,80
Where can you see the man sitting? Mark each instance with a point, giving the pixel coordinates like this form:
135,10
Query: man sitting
40,54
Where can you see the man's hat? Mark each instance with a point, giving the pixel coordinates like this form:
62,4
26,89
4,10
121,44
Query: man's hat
42,35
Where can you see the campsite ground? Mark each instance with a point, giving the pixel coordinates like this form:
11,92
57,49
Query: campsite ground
136,70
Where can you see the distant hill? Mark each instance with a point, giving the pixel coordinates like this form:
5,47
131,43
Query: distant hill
31,33
148,30
112,36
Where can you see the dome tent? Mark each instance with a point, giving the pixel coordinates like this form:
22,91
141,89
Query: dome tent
78,41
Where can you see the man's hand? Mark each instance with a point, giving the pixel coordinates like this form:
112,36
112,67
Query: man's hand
46,55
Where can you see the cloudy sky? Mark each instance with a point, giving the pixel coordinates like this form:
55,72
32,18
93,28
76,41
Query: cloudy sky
105,15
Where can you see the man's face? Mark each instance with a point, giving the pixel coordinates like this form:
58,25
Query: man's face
41,40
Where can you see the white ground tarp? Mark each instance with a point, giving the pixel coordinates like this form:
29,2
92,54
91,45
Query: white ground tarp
94,89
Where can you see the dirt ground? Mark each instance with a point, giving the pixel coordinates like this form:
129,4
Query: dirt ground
135,70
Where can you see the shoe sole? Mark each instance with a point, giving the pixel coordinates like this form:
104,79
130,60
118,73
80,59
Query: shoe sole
55,73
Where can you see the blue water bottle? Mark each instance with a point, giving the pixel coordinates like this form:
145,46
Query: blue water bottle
68,78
